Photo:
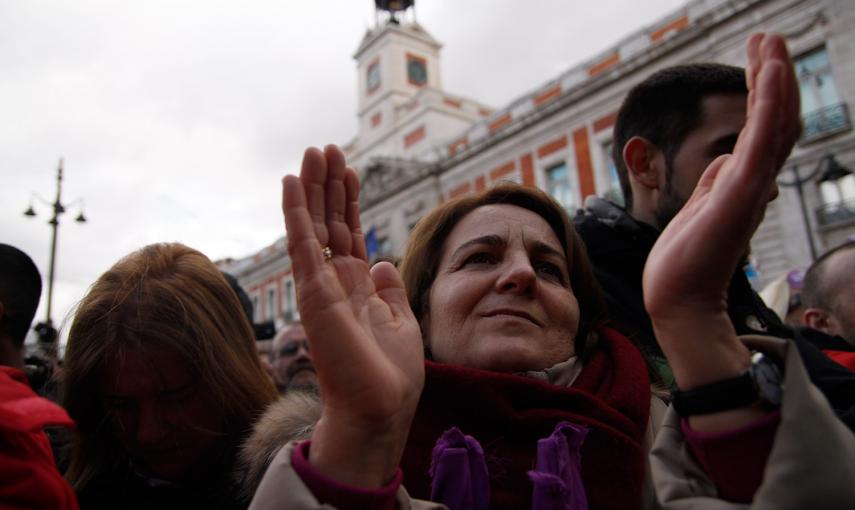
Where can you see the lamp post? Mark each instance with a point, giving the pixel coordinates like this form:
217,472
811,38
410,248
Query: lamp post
828,170
46,331
833,181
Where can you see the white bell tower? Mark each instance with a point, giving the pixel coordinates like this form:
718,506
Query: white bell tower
395,60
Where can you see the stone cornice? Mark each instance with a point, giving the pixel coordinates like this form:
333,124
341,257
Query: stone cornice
386,177
413,30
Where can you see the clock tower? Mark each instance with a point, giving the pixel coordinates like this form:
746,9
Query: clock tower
395,61
402,109
397,57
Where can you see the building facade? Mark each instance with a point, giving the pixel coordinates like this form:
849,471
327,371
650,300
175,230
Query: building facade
418,145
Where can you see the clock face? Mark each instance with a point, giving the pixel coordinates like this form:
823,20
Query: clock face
372,77
416,71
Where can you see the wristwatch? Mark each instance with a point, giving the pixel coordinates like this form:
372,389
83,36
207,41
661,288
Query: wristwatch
761,384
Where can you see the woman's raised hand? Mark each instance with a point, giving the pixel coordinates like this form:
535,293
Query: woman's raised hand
365,342
691,265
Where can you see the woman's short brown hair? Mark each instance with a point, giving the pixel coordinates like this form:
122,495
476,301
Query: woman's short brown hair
161,295
421,260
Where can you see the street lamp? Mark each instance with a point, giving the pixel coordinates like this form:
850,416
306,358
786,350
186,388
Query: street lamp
836,183
46,331
829,171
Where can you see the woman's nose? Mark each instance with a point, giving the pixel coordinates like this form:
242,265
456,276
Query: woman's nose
517,276
150,425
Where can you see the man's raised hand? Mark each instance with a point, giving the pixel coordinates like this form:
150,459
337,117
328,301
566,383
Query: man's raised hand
690,267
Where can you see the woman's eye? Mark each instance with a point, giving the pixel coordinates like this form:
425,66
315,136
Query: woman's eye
479,258
180,396
550,270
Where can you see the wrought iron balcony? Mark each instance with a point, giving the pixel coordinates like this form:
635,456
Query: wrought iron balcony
835,212
826,121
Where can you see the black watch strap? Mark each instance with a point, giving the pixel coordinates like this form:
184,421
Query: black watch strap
715,397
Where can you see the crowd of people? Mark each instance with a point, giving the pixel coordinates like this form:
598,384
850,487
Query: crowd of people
513,358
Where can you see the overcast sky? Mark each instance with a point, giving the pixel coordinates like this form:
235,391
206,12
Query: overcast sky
177,118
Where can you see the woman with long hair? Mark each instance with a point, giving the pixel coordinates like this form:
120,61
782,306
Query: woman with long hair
163,380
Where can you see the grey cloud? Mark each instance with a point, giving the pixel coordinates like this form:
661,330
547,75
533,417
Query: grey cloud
178,119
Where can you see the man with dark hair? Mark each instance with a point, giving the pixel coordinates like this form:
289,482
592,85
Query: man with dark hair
28,474
828,302
660,116
669,129
20,290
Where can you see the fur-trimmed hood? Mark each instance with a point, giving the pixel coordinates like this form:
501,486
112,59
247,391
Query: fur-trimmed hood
290,418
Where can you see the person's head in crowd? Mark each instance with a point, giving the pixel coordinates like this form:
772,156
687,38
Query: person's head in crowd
262,331
481,268
828,293
292,361
245,303
161,370
670,127
20,290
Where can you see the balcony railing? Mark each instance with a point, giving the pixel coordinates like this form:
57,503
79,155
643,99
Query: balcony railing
826,121
836,212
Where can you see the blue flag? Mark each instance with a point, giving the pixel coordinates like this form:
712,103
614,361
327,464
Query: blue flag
372,246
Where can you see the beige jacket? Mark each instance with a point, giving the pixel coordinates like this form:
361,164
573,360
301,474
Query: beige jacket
282,489
811,465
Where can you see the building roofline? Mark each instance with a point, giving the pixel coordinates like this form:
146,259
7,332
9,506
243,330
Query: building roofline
693,28
408,29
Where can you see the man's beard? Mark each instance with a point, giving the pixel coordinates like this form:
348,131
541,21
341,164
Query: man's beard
301,382
307,386
668,204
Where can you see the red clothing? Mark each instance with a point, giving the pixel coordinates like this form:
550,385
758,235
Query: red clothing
847,359
507,414
735,459
339,495
28,474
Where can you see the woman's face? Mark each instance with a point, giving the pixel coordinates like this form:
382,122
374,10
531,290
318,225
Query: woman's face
501,299
161,413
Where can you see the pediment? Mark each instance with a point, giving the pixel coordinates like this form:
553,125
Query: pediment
385,176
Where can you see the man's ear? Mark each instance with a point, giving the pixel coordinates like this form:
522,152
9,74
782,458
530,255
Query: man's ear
640,158
820,320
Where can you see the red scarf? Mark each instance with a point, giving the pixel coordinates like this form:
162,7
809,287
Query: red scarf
508,413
